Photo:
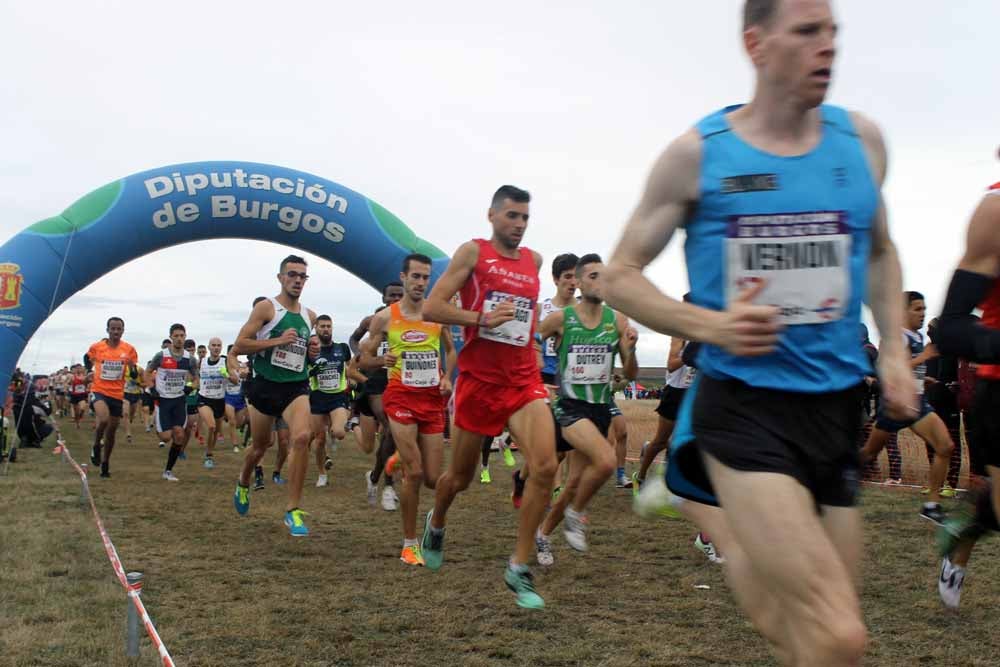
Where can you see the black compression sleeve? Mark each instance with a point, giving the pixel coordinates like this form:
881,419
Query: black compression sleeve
959,333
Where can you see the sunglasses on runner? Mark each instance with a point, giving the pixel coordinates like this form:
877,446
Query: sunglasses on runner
295,274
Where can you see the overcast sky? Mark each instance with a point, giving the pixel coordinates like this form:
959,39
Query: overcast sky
426,108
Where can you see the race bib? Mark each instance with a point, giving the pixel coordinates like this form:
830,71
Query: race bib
234,389
588,364
688,377
174,383
803,257
212,386
517,332
329,379
112,370
291,356
420,369
550,346
79,389
383,349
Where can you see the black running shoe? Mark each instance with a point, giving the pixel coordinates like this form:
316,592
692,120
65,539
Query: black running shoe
328,464
258,478
933,513
95,455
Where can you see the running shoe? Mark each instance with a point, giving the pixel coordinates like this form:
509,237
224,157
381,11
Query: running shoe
543,550
296,527
484,476
950,583
162,444
892,481
707,548
654,499
947,491
209,463
955,529
636,483
623,482
328,464
258,478
241,499
182,456
392,464
518,492
933,513
236,449
276,478
925,490
128,438
508,457
105,474
371,488
390,501
523,584
322,481
575,529
432,545
170,476
95,455
411,555
555,492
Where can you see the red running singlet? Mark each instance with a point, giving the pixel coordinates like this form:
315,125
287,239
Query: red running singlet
506,354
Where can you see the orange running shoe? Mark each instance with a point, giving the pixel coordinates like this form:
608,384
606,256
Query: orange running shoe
392,464
412,555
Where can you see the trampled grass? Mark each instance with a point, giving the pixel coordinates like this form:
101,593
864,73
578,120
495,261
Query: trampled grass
229,590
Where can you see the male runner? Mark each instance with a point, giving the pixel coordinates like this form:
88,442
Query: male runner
564,277
190,401
276,336
133,396
589,335
236,407
780,202
372,414
498,381
78,389
926,424
213,380
169,371
414,399
329,398
112,358
975,284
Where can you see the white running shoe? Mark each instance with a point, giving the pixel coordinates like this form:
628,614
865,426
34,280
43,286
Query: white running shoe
708,549
236,449
654,499
950,583
390,501
170,476
321,481
575,529
209,464
372,489
543,549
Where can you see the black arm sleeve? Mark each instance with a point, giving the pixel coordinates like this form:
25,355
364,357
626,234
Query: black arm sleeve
959,332
690,353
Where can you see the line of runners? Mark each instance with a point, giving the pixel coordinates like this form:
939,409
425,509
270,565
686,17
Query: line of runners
786,235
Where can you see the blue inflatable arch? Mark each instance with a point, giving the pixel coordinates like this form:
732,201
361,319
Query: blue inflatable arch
53,259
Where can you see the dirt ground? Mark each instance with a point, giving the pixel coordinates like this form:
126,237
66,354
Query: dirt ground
230,590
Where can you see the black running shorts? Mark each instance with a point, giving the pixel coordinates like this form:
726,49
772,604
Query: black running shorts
323,403
218,405
271,398
810,437
114,404
670,402
985,438
569,411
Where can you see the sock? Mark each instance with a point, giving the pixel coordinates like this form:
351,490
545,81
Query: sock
104,467
437,531
929,505
516,567
172,455
621,472
410,543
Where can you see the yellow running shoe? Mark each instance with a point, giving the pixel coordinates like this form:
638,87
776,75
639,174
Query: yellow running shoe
484,476
508,458
412,555
947,491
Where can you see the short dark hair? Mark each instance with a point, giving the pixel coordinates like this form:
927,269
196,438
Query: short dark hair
415,257
511,192
291,259
912,296
563,263
589,258
189,343
202,347
759,12
112,319
259,299
324,318
166,341
394,283
177,327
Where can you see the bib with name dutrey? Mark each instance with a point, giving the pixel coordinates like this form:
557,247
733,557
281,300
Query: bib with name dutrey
504,354
213,378
284,363
328,373
417,347
586,357
802,225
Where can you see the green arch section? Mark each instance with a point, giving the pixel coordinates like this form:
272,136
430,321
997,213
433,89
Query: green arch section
397,230
82,213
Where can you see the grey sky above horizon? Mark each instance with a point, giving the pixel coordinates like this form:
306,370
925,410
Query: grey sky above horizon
427,109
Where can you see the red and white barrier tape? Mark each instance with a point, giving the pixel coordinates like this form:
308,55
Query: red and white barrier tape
116,564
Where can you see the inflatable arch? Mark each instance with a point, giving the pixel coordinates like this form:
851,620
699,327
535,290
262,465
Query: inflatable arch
53,259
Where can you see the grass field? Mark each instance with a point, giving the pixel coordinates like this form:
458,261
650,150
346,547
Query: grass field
226,590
